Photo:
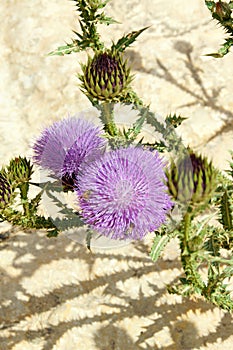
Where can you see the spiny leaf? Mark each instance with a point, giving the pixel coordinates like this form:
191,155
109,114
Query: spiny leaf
224,49
67,49
159,244
34,203
174,120
210,4
53,232
226,215
160,146
106,20
132,132
127,40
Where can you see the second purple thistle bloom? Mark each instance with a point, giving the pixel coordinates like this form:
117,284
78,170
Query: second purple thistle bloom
67,144
122,195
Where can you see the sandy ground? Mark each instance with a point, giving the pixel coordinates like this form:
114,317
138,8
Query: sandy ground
56,295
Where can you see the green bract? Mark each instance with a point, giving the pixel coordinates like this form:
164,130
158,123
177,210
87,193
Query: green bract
106,76
20,170
191,179
5,191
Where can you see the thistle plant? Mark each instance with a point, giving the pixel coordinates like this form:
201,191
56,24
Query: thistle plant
124,186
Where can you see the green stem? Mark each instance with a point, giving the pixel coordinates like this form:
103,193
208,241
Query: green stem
187,225
187,256
107,117
24,187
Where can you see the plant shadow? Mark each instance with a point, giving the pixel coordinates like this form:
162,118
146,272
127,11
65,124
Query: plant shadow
200,95
54,289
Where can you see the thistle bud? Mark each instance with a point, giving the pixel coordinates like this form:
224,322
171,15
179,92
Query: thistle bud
106,76
20,170
5,190
223,10
191,179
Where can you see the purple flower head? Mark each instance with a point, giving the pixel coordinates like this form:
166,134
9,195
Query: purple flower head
122,195
66,144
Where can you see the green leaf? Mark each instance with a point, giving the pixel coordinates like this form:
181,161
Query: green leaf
53,232
226,215
127,40
224,49
132,132
159,244
106,20
160,146
210,5
67,49
34,203
174,120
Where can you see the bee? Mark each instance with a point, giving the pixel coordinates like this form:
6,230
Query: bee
86,195
130,229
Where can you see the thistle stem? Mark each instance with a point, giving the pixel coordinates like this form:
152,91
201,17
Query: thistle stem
24,187
107,117
187,224
188,260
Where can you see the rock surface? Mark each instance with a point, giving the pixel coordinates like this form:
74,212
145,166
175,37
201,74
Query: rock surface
54,293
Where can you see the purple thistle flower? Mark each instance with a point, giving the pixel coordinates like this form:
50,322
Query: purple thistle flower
66,144
122,195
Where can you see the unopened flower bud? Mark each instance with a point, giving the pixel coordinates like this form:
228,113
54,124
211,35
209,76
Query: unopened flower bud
106,76
191,179
20,170
223,10
5,190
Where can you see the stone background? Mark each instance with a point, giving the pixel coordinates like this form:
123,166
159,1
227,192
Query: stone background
54,293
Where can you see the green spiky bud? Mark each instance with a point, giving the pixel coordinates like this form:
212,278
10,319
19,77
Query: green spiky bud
20,170
191,179
106,76
5,190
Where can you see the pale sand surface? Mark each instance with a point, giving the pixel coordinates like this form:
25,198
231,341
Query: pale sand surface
55,295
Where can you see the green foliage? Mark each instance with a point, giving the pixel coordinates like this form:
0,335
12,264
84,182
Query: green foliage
201,251
127,40
202,245
17,177
226,211
174,120
224,199
89,36
222,12
159,244
100,83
